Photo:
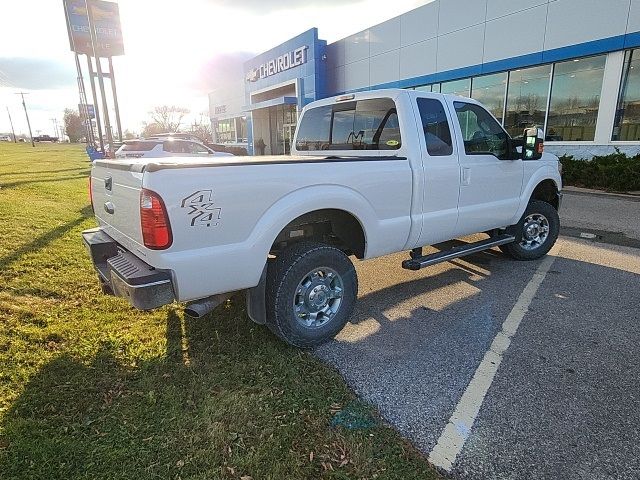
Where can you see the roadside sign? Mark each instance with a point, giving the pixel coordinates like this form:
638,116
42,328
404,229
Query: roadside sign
87,110
107,24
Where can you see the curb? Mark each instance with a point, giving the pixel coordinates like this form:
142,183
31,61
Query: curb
569,190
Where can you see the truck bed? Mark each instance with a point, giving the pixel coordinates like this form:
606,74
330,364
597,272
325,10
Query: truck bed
155,164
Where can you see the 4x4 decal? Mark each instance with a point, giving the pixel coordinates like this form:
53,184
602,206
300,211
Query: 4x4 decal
201,209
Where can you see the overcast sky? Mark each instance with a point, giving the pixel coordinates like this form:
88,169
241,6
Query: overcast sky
174,50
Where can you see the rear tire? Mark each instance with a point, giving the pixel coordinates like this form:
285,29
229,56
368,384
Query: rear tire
536,232
311,292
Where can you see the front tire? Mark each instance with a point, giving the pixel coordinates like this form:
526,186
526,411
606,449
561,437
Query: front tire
311,292
536,232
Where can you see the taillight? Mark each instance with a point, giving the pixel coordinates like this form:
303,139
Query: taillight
156,230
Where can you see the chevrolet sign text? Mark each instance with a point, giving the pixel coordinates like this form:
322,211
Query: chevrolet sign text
284,62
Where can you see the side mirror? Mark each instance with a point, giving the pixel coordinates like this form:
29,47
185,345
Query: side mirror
533,144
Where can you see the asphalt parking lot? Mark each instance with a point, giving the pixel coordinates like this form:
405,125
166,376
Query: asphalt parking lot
550,393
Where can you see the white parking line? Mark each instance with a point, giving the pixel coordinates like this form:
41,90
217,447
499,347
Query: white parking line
458,428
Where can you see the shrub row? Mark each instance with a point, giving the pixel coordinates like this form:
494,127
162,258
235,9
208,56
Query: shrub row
615,172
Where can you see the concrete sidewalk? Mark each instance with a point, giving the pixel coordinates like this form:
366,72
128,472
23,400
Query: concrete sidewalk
584,209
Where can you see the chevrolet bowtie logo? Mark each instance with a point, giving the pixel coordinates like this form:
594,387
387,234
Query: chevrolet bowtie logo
253,75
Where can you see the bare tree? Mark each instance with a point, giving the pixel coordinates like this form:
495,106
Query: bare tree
168,117
129,135
201,128
152,128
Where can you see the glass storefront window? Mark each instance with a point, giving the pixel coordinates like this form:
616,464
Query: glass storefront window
457,87
489,90
225,131
241,129
627,122
575,99
527,99
423,88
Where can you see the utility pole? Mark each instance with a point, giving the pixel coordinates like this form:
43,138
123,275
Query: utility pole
12,131
55,127
22,94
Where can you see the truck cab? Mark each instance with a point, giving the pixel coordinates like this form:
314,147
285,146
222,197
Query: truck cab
468,174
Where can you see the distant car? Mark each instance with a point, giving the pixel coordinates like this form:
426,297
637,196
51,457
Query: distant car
177,135
159,148
5,138
45,138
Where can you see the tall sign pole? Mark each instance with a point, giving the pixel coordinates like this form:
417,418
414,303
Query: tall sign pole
95,102
94,43
11,123
84,110
22,94
115,98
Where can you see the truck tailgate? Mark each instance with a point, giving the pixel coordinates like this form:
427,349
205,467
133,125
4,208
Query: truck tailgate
115,189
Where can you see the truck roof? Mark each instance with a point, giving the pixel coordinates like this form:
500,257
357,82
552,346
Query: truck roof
392,93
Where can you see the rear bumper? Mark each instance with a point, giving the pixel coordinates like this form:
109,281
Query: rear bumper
124,275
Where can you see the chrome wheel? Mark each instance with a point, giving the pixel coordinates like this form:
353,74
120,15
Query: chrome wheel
535,231
318,297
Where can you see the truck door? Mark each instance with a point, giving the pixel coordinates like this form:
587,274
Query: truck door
490,176
441,172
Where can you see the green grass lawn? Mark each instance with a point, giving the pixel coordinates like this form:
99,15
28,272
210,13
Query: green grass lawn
91,388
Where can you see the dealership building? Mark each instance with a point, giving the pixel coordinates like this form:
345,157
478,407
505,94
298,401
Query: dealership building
571,67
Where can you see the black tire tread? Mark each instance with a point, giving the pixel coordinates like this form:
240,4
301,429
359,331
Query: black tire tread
515,251
277,274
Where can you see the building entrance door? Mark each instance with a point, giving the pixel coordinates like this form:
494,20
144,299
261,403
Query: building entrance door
288,130
282,123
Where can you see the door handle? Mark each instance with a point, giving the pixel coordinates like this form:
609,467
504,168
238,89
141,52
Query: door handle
109,208
466,176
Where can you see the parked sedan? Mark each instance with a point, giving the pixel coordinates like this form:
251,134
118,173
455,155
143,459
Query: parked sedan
157,148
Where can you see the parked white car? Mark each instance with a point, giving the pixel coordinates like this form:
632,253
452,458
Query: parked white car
370,174
165,147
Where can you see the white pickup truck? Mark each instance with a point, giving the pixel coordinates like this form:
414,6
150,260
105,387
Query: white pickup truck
370,174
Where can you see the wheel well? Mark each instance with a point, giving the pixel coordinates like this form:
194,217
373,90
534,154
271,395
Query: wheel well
546,191
334,227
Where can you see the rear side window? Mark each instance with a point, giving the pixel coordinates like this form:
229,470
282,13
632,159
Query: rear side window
435,126
172,146
138,146
313,131
361,125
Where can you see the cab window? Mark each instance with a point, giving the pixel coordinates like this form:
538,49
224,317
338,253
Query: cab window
435,126
481,133
361,125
